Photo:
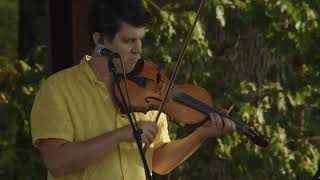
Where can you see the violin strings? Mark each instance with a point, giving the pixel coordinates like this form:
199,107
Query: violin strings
190,100
175,91
185,97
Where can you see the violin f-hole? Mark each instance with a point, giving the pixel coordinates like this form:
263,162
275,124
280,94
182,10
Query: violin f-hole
154,98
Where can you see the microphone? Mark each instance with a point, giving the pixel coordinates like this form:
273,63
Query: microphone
102,51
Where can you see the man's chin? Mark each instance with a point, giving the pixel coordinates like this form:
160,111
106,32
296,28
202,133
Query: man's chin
129,65
132,64
128,69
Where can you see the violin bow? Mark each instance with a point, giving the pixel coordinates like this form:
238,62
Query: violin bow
254,136
178,64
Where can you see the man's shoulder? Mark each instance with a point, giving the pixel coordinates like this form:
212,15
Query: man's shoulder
64,75
62,78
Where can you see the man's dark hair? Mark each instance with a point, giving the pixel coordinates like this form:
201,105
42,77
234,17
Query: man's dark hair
106,16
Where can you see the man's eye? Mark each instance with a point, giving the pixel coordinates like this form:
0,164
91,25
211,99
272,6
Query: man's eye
129,40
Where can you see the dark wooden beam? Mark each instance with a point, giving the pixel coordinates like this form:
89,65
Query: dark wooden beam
68,41
80,9
60,35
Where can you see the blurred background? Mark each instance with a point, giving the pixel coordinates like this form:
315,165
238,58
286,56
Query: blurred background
261,56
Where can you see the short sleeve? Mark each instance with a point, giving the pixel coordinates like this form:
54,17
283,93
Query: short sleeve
49,116
163,135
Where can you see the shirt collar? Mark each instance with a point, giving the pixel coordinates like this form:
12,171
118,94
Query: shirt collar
87,70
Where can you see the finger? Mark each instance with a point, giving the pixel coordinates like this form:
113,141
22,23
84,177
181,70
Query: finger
234,127
152,128
230,109
150,137
211,116
220,123
213,120
145,139
151,134
223,111
155,128
227,125
226,112
230,126
146,142
155,125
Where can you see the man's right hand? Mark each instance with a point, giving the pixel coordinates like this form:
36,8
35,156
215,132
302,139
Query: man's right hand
149,129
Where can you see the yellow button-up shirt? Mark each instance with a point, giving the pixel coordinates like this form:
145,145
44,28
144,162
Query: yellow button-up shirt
73,105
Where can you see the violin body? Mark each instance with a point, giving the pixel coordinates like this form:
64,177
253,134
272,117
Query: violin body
187,105
146,91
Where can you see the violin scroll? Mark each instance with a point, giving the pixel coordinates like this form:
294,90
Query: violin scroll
255,137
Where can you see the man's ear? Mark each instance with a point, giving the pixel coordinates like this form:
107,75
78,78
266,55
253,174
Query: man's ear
96,37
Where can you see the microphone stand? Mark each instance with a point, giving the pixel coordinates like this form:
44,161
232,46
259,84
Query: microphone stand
137,132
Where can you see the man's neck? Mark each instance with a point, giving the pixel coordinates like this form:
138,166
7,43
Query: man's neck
100,68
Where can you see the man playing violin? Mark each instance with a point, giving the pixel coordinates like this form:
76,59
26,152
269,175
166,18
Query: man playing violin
76,123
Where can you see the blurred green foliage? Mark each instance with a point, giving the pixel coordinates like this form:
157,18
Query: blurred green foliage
19,82
278,97
8,31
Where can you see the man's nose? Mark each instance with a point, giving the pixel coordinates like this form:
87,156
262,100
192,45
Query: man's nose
137,48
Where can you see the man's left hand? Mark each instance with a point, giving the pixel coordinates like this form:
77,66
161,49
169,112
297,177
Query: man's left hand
217,125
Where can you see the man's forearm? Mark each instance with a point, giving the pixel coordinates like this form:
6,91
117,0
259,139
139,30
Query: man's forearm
63,157
174,153
70,156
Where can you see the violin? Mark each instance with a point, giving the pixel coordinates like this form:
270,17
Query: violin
148,89
187,105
